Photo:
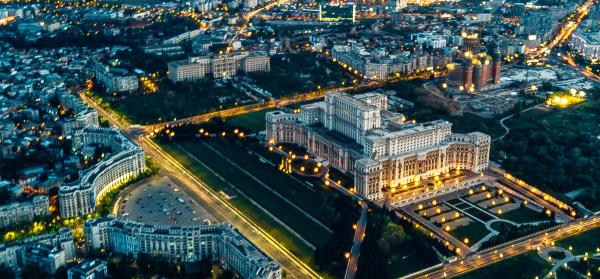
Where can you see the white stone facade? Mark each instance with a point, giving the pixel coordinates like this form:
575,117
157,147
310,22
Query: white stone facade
126,162
220,66
116,83
23,212
358,135
219,242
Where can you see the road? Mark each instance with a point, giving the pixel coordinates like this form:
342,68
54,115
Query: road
571,62
361,226
250,15
286,101
216,204
281,102
510,249
359,234
506,129
567,28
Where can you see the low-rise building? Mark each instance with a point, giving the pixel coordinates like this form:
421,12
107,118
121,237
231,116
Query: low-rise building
88,269
116,80
225,65
587,44
24,212
53,251
220,242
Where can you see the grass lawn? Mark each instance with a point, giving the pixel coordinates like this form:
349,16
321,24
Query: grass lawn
275,179
402,265
566,274
295,191
522,215
584,242
254,121
479,214
557,255
474,232
524,266
469,122
262,219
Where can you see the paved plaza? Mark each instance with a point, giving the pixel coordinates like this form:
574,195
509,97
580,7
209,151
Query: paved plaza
162,202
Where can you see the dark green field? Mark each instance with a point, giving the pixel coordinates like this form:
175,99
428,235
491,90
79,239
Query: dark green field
250,194
522,215
525,266
474,232
586,242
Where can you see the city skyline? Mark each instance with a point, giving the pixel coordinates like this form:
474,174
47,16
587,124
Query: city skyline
299,139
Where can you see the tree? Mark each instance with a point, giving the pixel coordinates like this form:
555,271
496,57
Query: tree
7,272
226,274
204,268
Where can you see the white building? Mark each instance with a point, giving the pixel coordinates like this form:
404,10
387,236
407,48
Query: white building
225,65
125,163
378,147
88,270
24,212
219,242
588,45
186,36
250,4
60,246
116,82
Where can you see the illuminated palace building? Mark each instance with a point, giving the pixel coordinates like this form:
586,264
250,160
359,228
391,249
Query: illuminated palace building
474,70
358,135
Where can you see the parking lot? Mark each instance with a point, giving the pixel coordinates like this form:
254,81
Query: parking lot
162,202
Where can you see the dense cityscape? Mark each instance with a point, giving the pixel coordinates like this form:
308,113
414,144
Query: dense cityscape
278,139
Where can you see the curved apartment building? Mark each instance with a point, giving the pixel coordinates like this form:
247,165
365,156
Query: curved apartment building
126,162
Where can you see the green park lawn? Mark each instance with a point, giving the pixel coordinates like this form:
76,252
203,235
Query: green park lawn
474,231
556,150
522,215
585,242
254,121
173,101
406,264
299,73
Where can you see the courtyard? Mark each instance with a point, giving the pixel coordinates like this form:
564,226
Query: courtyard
478,214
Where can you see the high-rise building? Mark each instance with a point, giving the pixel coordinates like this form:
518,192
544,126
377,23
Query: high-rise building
360,136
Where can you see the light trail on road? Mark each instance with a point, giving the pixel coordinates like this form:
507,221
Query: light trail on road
565,31
487,257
